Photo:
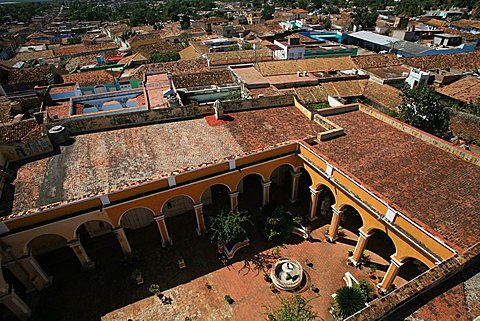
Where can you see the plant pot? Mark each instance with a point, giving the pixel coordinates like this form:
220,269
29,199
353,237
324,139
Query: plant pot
139,280
372,276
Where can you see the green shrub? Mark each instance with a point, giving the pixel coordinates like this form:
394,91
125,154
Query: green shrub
279,223
292,309
348,300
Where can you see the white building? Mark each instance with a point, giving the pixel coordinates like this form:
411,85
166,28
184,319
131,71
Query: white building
287,49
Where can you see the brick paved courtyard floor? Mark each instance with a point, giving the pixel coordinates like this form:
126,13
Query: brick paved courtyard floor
108,293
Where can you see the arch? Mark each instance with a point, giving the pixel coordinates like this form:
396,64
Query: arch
381,244
352,219
174,206
281,187
136,218
292,167
210,186
327,193
94,230
411,268
250,187
262,178
51,242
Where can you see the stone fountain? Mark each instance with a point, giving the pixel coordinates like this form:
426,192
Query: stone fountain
287,274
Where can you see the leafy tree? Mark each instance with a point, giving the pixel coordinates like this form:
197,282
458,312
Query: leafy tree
348,300
74,40
185,23
421,107
164,56
327,23
365,18
247,46
279,223
229,228
267,12
292,309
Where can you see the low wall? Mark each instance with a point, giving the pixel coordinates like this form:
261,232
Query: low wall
465,125
105,122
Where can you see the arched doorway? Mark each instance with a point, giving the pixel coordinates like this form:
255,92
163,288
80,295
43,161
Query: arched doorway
304,197
351,220
324,209
250,191
281,188
411,268
140,228
180,219
215,198
98,240
380,248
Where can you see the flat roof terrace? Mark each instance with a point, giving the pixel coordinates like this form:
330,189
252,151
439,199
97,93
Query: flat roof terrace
107,160
431,185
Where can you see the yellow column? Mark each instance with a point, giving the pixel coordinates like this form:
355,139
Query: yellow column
332,234
266,193
391,274
359,248
314,195
16,305
199,216
122,239
294,191
79,251
162,227
234,201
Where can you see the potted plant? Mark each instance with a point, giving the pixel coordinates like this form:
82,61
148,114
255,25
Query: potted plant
340,232
314,288
366,288
279,223
137,276
208,286
273,288
348,300
266,277
155,289
228,298
373,269
229,230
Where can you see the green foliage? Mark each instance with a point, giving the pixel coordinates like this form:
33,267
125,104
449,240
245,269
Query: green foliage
247,46
365,18
136,274
229,228
320,105
421,107
74,40
348,300
472,107
292,309
267,12
22,12
154,288
228,298
164,56
233,95
367,289
279,223
373,267
185,23
327,23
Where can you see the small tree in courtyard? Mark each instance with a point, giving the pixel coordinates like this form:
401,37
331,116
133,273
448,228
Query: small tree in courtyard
421,107
292,309
348,300
279,223
229,228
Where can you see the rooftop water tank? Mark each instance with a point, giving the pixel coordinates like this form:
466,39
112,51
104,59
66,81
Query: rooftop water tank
58,134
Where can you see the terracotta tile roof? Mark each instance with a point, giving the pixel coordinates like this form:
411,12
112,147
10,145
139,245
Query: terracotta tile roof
385,95
281,67
22,131
433,187
13,76
104,161
465,62
175,67
433,22
466,89
80,49
33,55
466,23
220,77
376,61
239,56
148,49
189,53
138,57
89,78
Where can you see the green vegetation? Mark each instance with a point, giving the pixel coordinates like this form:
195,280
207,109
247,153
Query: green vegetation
472,107
229,228
292,309
267,12
74,40
365,17
367,289
421,107
164,56
23,12
185,23
279,223
233,95
228,298
348,300
247,46
320,105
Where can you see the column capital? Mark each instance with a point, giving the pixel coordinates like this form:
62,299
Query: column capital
337,211
266,184
363,233
233,194
159,218
118,230
394,260
314,191
198,206
74,243
296,174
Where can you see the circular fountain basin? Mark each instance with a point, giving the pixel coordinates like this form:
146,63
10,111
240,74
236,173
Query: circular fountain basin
287,274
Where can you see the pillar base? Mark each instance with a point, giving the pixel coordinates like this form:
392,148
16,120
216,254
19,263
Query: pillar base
311,219
293,200
168,243
330,239
353,262
381,290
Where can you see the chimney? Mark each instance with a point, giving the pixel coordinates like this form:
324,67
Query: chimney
304,73
217,106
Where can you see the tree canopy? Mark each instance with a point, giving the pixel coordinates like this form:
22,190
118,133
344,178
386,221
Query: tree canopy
422,108
164,56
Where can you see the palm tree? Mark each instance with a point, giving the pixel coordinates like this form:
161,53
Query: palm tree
348,300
